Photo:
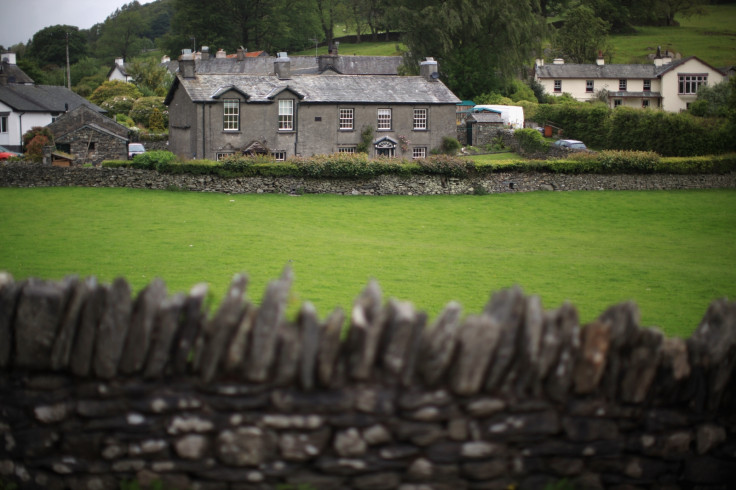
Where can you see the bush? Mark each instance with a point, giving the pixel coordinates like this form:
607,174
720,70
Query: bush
154,160
530,141
114,88
144,107
444,165
120,104
450,145
156,121
125,120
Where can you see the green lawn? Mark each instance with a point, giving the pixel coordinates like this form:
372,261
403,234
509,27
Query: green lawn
710,37
671,252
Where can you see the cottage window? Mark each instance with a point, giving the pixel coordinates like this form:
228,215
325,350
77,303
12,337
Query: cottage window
420,119
231,115
3,124
558,85
279,155
346,149
223,155
384,119
617,102
346,119
419,152
589,85
689,84
647,85
622,85
286,115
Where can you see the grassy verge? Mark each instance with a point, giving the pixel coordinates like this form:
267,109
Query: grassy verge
671,252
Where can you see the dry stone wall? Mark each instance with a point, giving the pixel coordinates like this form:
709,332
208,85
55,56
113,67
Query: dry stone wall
98,386
36,175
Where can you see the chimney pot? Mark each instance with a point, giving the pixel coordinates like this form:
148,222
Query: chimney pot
558,61
282,66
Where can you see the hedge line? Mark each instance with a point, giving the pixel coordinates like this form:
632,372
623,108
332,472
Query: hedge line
624,128
360,166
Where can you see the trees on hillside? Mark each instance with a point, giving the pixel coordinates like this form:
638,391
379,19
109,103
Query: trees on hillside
582,36
480,45
48,46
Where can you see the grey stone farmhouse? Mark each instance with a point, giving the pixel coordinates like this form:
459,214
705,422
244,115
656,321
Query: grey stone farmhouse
269,105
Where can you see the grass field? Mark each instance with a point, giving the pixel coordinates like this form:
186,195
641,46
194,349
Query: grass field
671,252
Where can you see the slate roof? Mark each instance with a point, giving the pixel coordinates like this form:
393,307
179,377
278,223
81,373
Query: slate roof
593,71
84,116
485,117
14,73
316,89
302,65
43,98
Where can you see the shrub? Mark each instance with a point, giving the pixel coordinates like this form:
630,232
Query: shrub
530,141
34,148
144,107
35,131
125,120
120,104
366,138
450,145
114,88
156,121
154,160
444,165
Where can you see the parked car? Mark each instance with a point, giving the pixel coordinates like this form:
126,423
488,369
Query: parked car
135,149
5,153
571,144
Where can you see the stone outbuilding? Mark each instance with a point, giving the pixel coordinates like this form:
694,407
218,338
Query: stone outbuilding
90,136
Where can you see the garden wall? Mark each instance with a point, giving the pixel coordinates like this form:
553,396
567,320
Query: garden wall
98,385
35,175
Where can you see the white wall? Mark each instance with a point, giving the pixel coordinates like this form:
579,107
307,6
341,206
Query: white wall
17,125
673,100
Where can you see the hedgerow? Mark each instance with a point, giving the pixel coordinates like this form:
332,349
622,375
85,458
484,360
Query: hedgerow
360,166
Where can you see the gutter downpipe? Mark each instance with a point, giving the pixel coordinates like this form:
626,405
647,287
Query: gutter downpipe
204,136
296,127
20,127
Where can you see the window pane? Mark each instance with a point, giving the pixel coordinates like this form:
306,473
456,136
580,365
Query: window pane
346,119
419,153
286,115
231,113
384,118
420,119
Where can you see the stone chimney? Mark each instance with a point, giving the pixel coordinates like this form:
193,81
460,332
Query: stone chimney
539,62
205,53
600,61
9,58
658,57
165,59
429,70
241,53
186,64
333,48
220,54
558,61
119,61
667,58
282,66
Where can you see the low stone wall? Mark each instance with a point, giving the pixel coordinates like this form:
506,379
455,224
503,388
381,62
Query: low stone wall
97,386
36,175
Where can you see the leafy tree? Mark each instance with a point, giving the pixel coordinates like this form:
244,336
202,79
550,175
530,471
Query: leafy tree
151,77
665,10
582,36
156,121
712,101
36,131
114,88
120,104
48,45
120,35
519,90
479,44
145,106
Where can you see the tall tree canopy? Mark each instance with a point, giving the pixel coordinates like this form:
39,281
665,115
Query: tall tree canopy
582,36
48,46
480,44
121,34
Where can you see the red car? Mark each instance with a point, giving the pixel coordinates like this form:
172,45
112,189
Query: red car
5,153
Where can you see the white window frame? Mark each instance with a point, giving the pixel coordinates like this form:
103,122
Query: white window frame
590,86
279,155
419,152
286,115
3,124
558,86
347,149
347,119
231,115
622,84
421,119
647,86
384,120
689,83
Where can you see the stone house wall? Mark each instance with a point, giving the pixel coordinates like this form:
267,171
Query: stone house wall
105,146
100,386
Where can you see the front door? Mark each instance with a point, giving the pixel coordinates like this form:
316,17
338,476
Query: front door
386,147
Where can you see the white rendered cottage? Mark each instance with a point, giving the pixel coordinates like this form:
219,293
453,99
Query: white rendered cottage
667,84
